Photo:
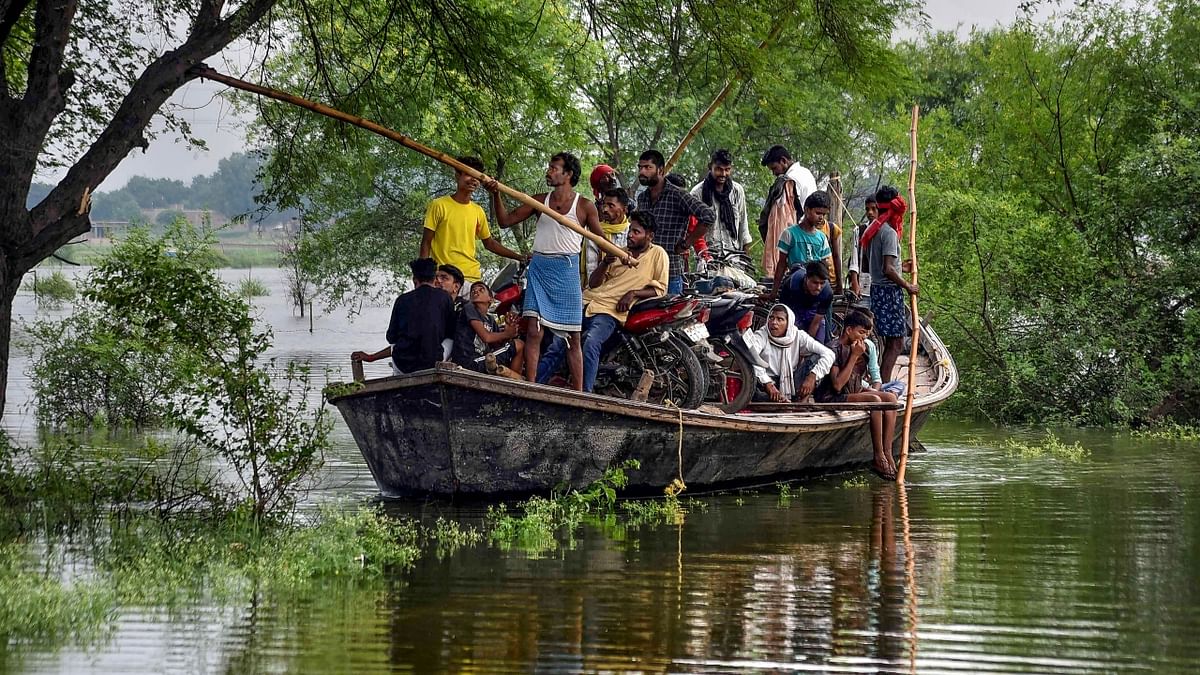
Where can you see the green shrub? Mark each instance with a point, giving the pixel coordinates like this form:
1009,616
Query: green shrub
52,289
252,288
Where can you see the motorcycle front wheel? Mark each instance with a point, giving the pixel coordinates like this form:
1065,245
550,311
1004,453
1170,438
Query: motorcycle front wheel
678,375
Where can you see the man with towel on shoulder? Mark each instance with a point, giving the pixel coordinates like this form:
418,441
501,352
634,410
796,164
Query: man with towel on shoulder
553,294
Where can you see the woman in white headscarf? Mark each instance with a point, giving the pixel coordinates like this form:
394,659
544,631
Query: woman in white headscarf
790,361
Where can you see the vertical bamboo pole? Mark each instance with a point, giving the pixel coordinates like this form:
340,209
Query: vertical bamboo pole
916,317
910,578
835,216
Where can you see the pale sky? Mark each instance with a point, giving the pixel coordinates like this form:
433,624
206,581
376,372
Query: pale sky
213,119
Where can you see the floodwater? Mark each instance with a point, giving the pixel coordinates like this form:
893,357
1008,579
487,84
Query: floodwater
987,561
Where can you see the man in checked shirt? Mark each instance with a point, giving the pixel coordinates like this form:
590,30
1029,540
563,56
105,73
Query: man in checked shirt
671,208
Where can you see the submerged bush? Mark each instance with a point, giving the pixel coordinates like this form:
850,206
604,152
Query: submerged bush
252,288
52,289
160,339
89,370
1051,445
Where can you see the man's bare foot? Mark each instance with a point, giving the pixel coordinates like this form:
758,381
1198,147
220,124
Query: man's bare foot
883,467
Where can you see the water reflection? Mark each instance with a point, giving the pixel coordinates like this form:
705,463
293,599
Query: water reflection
1002,564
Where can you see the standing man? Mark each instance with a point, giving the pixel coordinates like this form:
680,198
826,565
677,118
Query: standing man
860,273
671,209
881,241
421,319
718,191
612,205
785,200
454,222
553,295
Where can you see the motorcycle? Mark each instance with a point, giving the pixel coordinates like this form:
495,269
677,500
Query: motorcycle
728,318
658,337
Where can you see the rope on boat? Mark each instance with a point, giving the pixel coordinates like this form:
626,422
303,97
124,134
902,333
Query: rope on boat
677,486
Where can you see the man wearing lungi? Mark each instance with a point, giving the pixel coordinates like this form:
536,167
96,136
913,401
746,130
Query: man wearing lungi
553,295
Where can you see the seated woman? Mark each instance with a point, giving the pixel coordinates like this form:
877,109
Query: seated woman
794,361
845,383
478,334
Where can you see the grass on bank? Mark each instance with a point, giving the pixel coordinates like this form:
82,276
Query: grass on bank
235,256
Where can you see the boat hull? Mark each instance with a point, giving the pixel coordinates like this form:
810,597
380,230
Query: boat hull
449,431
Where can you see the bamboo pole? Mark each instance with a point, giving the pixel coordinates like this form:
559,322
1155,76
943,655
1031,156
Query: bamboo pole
716,103
206,72
910,577
916,317
835,217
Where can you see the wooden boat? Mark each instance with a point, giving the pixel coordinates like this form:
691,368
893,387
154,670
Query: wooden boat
450,431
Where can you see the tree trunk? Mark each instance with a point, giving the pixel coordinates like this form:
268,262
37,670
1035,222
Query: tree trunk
9,283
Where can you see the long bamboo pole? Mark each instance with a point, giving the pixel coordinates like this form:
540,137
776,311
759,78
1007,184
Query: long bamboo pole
716,103
208,73
916,317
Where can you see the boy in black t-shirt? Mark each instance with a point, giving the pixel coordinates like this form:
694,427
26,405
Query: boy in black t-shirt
478,334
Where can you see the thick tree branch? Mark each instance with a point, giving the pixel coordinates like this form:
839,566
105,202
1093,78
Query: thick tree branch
10,14
57,218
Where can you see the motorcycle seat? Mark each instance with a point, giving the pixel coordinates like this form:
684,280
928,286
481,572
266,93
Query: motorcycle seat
654,303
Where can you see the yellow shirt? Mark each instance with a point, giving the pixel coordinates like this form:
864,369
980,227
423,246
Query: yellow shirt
619,279
455,229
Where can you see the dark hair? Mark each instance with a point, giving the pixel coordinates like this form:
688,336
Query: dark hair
423,269
570,163
886,194
473,162
856,318
865,312
870,200
454,272
817,269
722,157
645,219
676,180
816,200
619,194
480,283
774,154
653,156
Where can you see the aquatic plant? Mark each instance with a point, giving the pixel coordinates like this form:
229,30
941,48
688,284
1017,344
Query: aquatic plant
51,290
856,481
1051,445
536,523
43,609
252,288
1170,431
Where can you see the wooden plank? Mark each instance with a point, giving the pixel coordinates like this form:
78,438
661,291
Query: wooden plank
822,407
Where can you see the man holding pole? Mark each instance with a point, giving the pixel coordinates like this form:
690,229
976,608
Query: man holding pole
453,223
881,241
671,209
720,192
553,294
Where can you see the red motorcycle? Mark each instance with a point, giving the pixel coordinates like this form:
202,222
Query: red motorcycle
658,336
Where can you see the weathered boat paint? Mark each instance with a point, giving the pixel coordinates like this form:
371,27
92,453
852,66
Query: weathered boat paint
448,431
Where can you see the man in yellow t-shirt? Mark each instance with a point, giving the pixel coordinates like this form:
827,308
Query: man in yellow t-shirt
453,223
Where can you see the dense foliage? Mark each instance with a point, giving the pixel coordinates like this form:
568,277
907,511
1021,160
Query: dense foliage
159,339
1059,216
1057,211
